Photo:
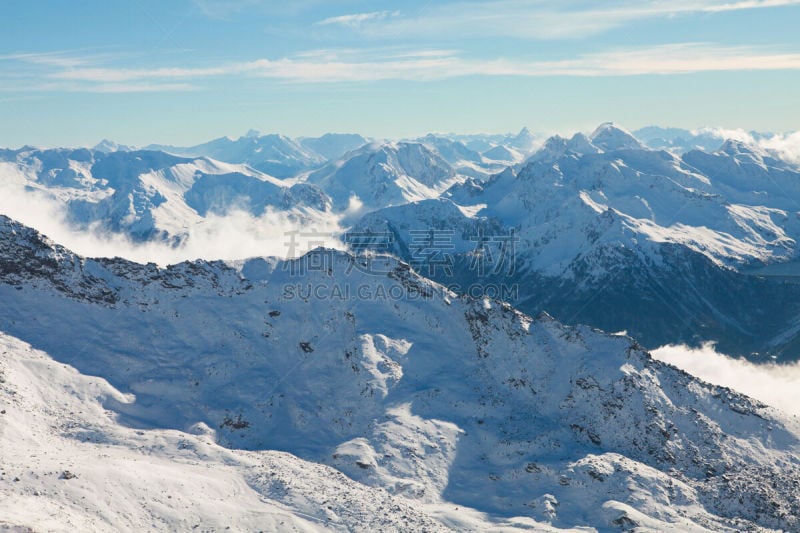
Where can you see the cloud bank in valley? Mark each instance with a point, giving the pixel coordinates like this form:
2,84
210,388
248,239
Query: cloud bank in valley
773,384
786,146
236,235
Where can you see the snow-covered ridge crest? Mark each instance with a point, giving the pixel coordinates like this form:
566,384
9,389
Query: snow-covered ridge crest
638,226
610,137
384,174
511,415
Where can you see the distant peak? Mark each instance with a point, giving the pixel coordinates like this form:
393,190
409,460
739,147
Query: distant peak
609,129
736,147
105,146
606,126
555,140
252,133
108,146
581,144
609,137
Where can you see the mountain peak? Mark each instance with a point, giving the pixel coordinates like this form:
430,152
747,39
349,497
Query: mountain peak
609,137
736,147
108,146
556,147
580,144
334,145
524,141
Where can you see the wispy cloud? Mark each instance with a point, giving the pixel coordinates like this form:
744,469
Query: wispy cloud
748,4
64,59
136,88
527,19
435,65
332,66
112,75
667,59
357,18
67,58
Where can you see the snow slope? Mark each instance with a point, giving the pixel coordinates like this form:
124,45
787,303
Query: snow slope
107,146
380,175
334,145
524,141
272,154
152,195
604,227
468,162
69,465
360,364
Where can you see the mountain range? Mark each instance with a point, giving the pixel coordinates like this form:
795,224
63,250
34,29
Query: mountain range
151,195
259,383
691,243
604,231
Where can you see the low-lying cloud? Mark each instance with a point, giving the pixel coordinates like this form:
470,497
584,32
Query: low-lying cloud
774,384
786,146
234,235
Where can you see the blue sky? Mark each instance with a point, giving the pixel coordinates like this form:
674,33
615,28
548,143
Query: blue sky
185,71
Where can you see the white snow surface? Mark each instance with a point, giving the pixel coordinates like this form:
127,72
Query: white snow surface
379,175
739,206
442,412
69,465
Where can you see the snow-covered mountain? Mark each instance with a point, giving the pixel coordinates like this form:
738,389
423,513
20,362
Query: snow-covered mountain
110,146
467,162
283,157
525,141
151,195
384,174
610,137
444,412
557,147
680,140
274,154
605,228
454,152
334,145
504,155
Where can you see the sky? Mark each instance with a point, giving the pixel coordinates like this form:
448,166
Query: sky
186,71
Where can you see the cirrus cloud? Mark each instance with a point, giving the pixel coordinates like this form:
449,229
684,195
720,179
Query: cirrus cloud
356,19
425,65
539,20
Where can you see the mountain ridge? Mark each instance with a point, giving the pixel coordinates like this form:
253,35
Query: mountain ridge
508,398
